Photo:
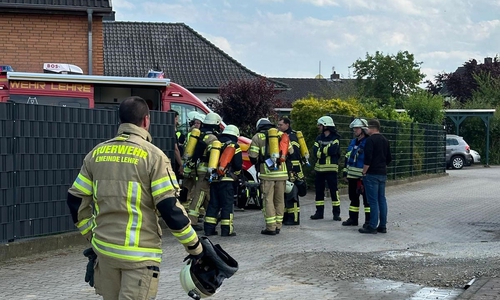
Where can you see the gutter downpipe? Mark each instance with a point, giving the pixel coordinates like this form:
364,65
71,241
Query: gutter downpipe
89,16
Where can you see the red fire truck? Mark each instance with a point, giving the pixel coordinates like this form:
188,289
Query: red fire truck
64,85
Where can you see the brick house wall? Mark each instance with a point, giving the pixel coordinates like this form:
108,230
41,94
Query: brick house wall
29,40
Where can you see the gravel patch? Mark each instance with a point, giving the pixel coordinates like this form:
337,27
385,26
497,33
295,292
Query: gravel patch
405,266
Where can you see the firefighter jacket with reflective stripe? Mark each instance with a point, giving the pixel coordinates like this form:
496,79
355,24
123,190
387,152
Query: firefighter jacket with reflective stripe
236,164
355,158
258,149
326,149
120,183
295,158
203,164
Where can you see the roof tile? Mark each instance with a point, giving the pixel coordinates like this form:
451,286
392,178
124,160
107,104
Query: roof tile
186,57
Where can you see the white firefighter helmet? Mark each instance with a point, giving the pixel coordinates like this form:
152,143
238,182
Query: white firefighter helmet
262,122
212,119
231,130
326,121
195,115
204,278
191,116
359,123
200,117
191,284
289,187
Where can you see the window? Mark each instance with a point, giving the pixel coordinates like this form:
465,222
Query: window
451,142
183,110
50,100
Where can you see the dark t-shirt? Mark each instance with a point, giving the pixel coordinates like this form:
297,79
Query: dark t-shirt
377,154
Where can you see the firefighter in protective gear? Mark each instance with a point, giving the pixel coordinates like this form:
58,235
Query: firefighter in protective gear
327,151
195,120
114,201
353,172
294,164
222,188
202,278
201,193
272,182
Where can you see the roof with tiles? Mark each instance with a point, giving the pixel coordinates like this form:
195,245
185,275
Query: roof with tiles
319,88
98,6
187,58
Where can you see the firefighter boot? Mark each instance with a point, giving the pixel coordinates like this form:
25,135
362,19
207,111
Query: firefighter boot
225,230
367,220
353,219
209,229
336,213
287,218
320,210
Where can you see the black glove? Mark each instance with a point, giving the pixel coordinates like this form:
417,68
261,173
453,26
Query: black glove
195,258
89,274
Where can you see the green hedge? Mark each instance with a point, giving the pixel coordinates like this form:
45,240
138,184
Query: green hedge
417,148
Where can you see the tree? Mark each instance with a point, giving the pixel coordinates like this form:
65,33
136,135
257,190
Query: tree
462,83
386,77
487,91
424,107
243,103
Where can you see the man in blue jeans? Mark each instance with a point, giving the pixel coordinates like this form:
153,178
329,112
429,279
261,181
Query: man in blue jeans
377,157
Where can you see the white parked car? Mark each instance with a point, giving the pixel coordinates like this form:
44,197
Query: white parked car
476,158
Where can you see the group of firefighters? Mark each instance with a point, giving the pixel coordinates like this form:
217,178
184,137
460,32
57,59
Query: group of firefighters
116,203
212,172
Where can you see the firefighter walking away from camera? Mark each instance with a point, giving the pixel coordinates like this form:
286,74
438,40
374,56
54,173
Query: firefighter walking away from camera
268,152
327,151
114,201
201,194
294,163
222,187
195,120
354,161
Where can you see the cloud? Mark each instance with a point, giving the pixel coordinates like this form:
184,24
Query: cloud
222,43
322,2
123,4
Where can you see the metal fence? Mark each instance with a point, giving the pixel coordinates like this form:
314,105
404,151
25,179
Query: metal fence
417,149
41,152
42,149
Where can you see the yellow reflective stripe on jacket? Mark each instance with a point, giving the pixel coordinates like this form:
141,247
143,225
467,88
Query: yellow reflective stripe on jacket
326,168
126,252
186,236
254,149
83,184
353,172
161,185
134,224
85,225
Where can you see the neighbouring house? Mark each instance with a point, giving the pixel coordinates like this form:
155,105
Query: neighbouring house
333,87
186,57
47,31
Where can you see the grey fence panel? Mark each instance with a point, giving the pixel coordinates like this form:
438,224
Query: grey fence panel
7,199
41,152
51,143
163,132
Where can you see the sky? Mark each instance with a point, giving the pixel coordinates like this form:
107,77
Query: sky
304,38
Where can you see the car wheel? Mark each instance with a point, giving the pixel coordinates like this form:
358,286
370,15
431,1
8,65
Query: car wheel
457,162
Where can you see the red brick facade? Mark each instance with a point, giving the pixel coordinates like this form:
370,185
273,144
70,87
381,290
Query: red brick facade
29,40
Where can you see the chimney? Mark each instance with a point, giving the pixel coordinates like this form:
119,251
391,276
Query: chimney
334,75
488,60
